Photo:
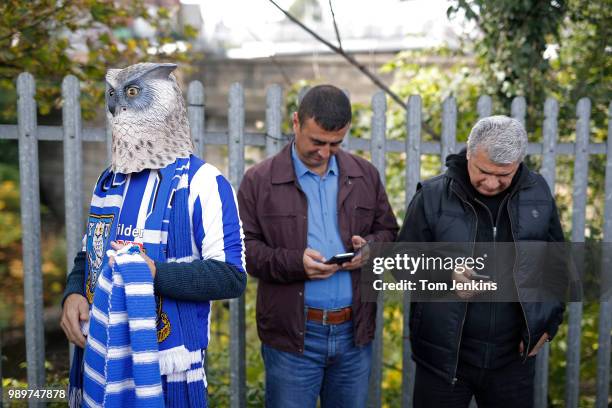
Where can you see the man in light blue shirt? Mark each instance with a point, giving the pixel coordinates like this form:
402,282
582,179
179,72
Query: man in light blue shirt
321,191
299,208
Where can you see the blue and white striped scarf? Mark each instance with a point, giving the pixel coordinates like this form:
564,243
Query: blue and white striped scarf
121,365
181,332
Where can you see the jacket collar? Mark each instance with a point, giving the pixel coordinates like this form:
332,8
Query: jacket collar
284,172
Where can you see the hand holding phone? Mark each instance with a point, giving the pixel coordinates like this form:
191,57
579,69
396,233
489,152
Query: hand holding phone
339,259
475,276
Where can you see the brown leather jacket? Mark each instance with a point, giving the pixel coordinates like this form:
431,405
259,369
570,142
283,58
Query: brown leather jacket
273,210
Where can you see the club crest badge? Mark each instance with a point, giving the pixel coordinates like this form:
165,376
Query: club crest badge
98,233
162,321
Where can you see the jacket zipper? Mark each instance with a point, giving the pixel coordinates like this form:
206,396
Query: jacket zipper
526,350
454,380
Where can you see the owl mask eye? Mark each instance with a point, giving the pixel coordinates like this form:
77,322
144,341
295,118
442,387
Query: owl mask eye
132,91
111,92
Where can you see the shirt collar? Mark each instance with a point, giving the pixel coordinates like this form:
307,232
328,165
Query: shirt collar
301,169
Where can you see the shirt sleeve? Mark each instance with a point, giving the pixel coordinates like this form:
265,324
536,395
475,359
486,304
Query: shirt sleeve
216,222
76,277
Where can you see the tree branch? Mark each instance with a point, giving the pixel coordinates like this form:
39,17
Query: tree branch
356,64
331,7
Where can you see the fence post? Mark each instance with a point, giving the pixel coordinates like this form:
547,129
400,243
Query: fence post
235,117
379,126
30,222
73,172
274,119
549,143
73,167
518,109
605,307
413,175
449,130
195,111
581,163
484,106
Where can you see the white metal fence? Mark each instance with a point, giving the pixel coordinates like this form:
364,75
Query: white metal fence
72,134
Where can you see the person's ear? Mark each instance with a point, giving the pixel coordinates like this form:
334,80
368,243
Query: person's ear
296,122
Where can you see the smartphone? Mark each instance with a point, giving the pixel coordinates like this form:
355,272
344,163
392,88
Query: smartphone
476,276
340,258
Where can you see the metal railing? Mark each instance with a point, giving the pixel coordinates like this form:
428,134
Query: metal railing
73,134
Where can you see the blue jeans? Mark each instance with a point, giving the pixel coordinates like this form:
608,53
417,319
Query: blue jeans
331,367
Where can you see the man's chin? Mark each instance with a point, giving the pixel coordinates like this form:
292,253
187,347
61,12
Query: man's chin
489,193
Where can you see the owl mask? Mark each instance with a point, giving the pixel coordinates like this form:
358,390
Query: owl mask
148,117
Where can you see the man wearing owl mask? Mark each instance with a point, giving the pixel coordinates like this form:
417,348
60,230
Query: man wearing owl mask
160,206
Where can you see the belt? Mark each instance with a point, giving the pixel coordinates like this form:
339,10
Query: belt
329,316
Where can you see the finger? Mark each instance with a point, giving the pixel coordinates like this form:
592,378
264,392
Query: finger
83,313
68,330
461,278
116,246
468,272
357,241
324,275
521,347
535,350
73,331
311,252
538,346
324,268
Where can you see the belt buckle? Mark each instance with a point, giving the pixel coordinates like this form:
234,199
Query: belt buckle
324,316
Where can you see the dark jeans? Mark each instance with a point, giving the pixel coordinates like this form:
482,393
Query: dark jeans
510,386
331,368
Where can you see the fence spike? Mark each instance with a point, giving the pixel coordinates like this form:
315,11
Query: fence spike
196,104
237,312
274,119
581,163
605,307
518,109
377,148
449,130
484,106
413,175
30,222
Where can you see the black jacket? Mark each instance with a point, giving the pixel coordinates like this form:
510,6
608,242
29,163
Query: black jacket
442,210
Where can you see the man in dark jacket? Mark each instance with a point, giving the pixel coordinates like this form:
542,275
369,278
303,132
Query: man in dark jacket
482,349
306,204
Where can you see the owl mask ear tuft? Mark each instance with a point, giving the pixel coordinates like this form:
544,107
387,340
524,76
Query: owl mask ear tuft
111,77
159,71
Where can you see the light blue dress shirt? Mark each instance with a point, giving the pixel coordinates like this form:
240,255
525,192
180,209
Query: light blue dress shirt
336,291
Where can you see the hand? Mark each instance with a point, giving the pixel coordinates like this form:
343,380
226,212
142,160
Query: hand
116,246
76,310
359,260
463,276
314,266
536,348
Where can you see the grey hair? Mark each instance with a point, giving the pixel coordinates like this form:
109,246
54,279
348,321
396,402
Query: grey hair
504,139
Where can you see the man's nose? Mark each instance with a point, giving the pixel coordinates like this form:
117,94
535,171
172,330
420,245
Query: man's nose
324,152
491,183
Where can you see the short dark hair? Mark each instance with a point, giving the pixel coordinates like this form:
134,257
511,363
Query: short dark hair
328,106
